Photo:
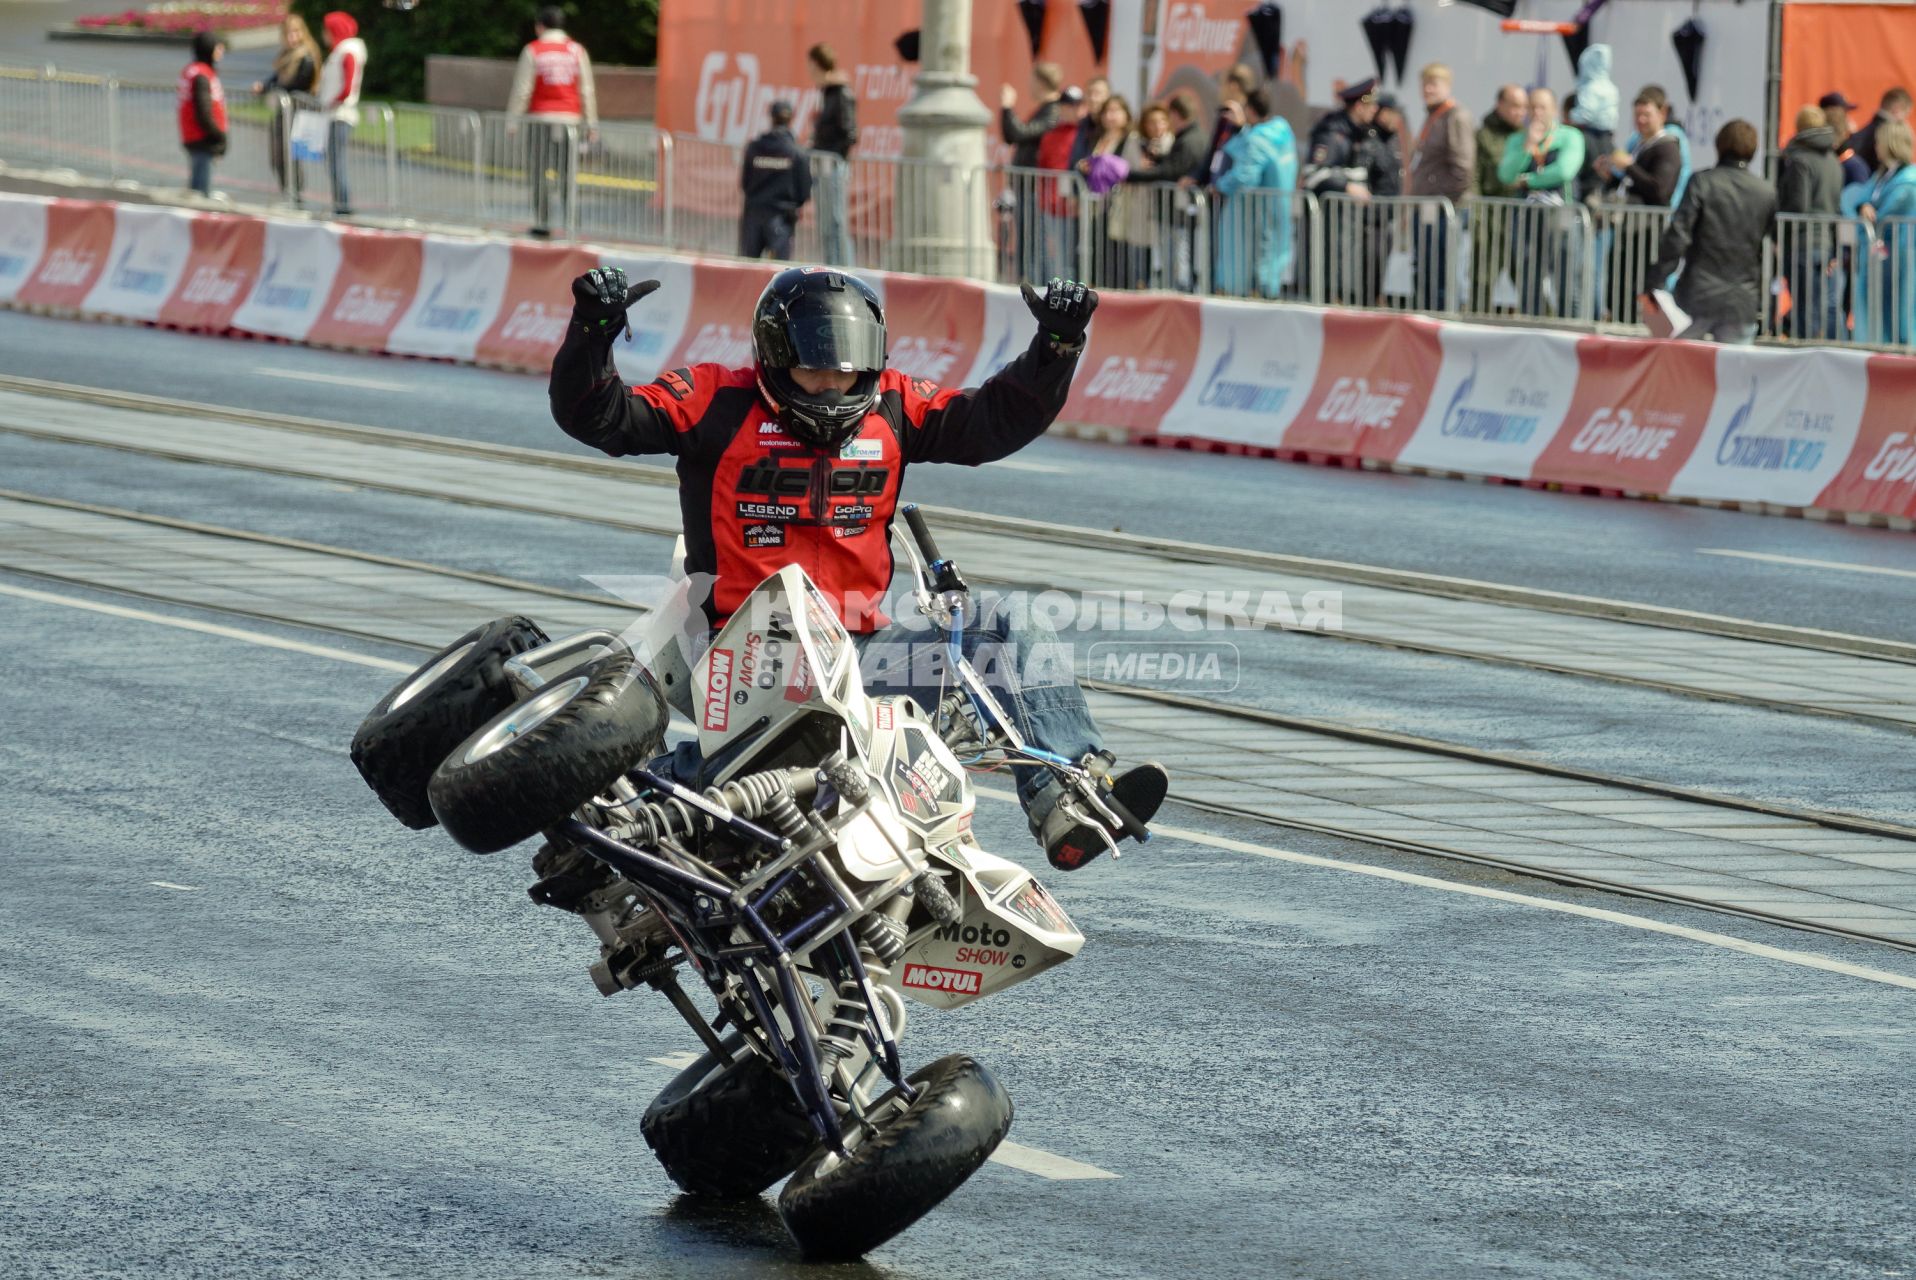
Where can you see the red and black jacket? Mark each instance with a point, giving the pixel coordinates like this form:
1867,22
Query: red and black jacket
755,499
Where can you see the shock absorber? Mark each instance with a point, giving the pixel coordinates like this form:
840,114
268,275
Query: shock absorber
844,1027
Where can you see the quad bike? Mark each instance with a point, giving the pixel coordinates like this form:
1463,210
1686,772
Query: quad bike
825,875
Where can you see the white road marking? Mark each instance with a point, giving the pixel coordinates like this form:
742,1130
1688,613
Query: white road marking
206,628
168,884
1031,1160
332,379
676,1061
1807,960
1806,563
1025,464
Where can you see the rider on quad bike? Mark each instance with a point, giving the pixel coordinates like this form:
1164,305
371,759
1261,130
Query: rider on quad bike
799,458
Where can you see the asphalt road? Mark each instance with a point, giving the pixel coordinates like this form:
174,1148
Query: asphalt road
1594,546
253,1027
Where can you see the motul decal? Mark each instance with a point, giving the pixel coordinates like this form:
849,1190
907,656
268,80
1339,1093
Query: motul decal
958,982
718,691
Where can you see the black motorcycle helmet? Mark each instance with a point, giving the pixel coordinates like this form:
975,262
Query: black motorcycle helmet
819,318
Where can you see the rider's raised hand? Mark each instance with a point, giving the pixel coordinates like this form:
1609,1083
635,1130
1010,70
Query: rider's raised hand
601,295
1063,311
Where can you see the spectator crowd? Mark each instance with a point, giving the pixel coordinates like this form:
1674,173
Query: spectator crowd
1589,209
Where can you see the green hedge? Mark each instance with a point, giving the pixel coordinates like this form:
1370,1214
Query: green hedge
614,31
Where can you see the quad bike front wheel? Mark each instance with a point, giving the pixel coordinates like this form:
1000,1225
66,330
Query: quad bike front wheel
728,1130
423,717
844,1206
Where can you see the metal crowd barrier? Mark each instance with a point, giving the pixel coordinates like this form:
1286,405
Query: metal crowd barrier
1627,237
1397,253
1830,280
1530,259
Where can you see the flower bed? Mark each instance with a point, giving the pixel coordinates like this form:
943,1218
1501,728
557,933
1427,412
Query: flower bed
181,17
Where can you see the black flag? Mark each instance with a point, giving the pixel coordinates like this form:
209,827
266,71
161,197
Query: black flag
1397,38
1097,24
1576,42
1378,24
1267,30
1032,11
1689,50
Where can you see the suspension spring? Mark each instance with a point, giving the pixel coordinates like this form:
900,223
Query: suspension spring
844,1027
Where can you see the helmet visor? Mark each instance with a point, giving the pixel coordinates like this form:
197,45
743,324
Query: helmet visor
852,343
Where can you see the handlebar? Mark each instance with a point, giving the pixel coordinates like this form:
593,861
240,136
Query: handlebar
943,573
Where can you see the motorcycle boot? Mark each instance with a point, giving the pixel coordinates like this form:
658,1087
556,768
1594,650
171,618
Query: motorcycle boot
1072,836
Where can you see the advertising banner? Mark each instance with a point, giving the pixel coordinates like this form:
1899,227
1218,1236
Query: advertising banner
1880,474
461,284
23,238
79,235
1255,366
1374,377
298,263
1006,330
220,269
376,282
936,327
150,248
1782,428
1497,401
1141,353
658,321
1639,410
718,328
536,305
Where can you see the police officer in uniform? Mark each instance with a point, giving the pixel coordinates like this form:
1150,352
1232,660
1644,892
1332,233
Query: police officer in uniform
1338,165
777,181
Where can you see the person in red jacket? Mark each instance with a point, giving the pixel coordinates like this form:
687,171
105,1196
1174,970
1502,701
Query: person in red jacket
554,90
202,111
799,457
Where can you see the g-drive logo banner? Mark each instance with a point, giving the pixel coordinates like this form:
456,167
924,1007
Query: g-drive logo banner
23,239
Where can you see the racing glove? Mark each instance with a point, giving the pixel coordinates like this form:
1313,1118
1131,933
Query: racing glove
1063,313
600,298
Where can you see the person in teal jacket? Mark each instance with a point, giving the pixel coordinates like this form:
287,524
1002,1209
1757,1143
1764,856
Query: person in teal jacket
1254,220
1542,164
1886,294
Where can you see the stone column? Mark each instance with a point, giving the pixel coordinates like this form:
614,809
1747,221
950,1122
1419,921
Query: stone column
941,221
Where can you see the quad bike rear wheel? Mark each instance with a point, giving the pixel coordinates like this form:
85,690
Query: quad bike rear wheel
728,1130
533,764
844,1206
423,717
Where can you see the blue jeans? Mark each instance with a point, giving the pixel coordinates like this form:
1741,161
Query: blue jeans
200,165
832,200
336,165
1018,657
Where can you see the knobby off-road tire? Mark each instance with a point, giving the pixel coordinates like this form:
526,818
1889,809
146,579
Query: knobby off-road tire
533,764
842,1208
731,1134
423,717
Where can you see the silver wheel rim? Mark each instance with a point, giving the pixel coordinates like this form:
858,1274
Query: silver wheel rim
430,676
524,718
